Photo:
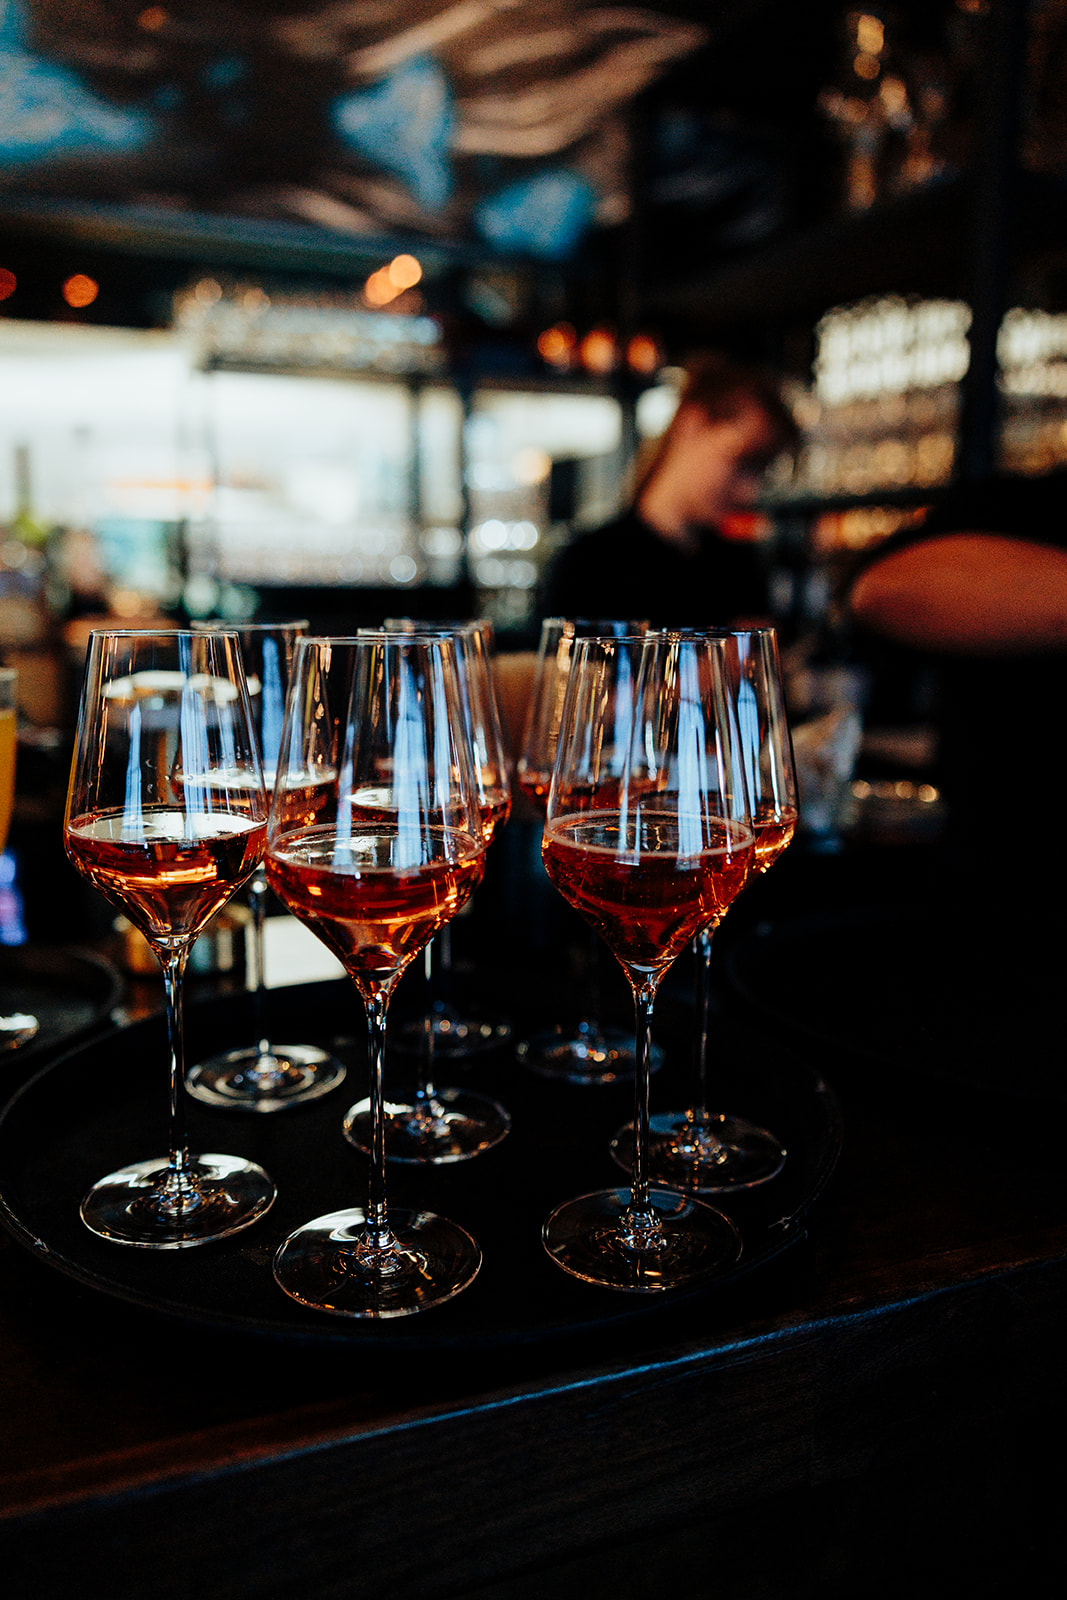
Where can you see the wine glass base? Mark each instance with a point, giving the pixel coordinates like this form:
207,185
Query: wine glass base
246,1080
328,1264
455,1035
591,1238
136,1206
589,1053
722,1154
17,1028
453,1126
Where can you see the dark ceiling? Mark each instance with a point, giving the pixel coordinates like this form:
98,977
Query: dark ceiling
738,152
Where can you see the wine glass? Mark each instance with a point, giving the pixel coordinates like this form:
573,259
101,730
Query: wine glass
166,815
587,1051
375,842
17,1027
455,1033
264,1076
447,1124
648,833
700,1150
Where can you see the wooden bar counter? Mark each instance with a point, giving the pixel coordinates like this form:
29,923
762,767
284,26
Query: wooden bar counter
876,1408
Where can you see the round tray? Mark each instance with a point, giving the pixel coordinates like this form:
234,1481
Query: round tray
69,991
105,1104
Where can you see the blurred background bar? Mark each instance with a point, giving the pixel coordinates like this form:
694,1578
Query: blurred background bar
296,310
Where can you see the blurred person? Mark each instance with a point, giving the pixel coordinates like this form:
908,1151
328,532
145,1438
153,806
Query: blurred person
682,553
980,588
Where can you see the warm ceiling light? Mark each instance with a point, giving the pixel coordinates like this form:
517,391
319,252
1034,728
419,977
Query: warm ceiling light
403,272
8,283
152,19
80,291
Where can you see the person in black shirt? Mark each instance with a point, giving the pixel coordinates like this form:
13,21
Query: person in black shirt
670,557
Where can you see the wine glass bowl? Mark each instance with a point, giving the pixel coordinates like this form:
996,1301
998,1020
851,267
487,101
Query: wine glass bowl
699,1149
375,842
264,1076
648,834
166,815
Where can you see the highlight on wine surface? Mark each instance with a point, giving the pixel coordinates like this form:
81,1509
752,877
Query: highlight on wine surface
166,815
376,841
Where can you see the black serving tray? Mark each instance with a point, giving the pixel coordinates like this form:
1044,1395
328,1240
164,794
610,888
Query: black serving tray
103,1105
71,992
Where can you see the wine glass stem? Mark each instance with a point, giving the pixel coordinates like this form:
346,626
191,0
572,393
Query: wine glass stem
173,963
640,1211
426,1088
591,1021
700,1111
377,1223
257,902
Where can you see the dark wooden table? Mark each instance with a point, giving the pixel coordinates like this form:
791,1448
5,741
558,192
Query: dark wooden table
880,1409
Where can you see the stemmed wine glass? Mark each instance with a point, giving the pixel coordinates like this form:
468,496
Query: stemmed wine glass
166,815
448,1124
447,1031
648,833
698,1149
587,1051
375,842
264,1076
17,1027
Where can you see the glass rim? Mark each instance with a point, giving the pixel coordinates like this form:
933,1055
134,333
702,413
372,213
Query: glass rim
248,627
717,633
155,633
373,636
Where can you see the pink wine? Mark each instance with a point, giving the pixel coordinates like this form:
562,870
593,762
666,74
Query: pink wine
645,898
374,914
172,871
772,835
535,786
494,811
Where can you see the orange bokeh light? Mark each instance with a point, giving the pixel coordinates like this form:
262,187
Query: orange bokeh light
79,291
556,345
8,282
643,354
597,350
403,272
379,289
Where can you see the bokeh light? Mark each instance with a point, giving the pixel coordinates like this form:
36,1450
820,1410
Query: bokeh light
79,290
